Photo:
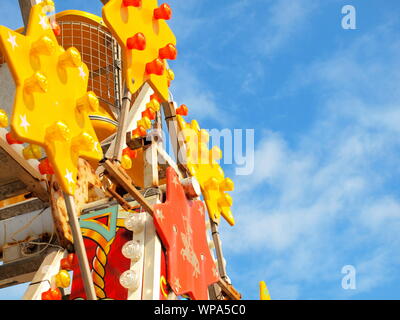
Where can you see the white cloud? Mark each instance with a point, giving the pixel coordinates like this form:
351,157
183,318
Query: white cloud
190,90
326,200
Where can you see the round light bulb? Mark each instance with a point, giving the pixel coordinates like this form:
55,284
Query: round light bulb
131,250
135,222
129,280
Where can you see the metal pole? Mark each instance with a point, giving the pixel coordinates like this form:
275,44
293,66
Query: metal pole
80,247
218,249
25,6
119,143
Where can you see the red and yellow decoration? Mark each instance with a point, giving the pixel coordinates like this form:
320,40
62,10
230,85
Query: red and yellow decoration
146,41
104,237
181,226
51,103
264,292
202,164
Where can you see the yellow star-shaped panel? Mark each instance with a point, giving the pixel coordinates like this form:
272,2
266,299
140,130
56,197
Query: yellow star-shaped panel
51,102
264,292
202,164
146,41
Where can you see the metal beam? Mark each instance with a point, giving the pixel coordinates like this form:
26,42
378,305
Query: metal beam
123,121
25,6
218,249
21,271
12,170
21,208
12,189
79,246
174,133
118,175
229,291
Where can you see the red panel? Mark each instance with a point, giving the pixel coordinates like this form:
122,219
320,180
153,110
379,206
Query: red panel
181,226
115,265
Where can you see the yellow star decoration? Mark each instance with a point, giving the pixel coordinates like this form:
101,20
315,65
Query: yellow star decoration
202,164
264,293
51,102
127,21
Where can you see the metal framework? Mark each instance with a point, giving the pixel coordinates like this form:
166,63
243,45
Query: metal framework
102,54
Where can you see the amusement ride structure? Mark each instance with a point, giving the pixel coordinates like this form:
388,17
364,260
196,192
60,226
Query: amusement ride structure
91,204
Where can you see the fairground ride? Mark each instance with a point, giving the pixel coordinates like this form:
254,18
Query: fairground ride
91,204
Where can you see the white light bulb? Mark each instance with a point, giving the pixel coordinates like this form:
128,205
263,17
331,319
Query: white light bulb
129,280
135,222
131,250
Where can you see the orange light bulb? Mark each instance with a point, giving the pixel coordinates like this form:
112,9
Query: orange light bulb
45,167
140,131
132,154
154,96
68,262
163,12
149,113
182,110
52,294
56,28
11,140
132,3
137,42
168,52
155,67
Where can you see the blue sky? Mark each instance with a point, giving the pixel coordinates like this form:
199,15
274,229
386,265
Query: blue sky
325,106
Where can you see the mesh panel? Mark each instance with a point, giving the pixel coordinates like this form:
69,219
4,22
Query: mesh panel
101,53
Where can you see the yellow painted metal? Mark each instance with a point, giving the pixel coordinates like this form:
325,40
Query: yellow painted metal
126,22
51,104
264,292
3,119
103,128
76,15
202,164
136,172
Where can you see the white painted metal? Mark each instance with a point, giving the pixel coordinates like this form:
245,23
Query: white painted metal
135,114
152,262
139,265
26,226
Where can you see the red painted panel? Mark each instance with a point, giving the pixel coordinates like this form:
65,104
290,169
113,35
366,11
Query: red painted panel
181,226
113,267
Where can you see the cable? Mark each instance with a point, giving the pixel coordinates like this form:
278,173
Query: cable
27,225
46,244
